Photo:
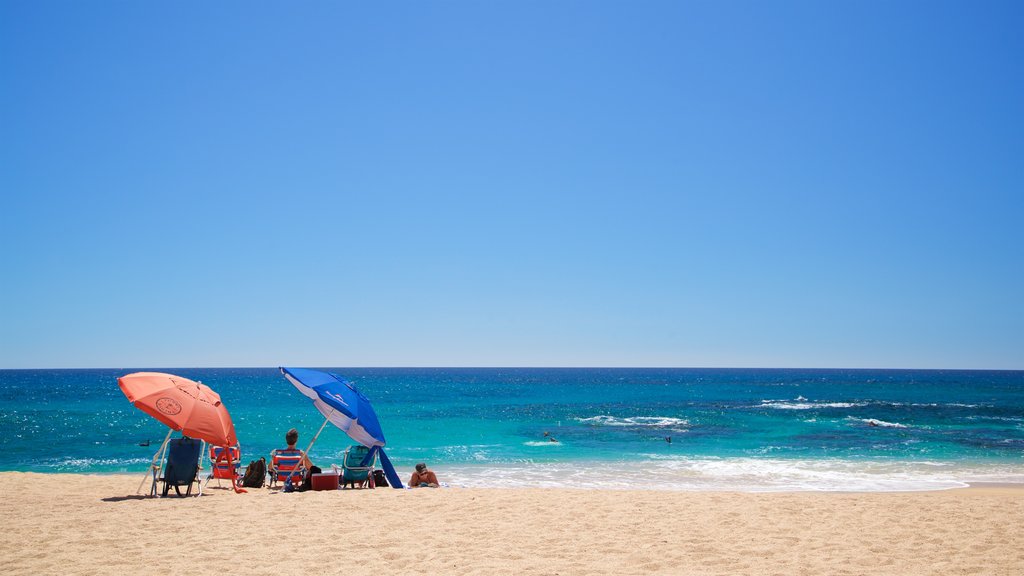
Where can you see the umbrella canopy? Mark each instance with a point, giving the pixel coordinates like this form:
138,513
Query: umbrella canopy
340,402
182,404
345,407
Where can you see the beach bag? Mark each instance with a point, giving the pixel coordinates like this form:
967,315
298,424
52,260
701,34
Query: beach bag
307,482
255,474
379,479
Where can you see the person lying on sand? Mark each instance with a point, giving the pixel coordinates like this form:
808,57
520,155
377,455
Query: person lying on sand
423,478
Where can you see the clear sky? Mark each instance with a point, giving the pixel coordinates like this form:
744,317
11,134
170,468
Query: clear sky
549,183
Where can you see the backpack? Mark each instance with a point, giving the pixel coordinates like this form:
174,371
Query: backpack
307,481
255,474
379,479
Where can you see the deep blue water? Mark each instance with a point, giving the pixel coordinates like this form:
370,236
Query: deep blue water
729,428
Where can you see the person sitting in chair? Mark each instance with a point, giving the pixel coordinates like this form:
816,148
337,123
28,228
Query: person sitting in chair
292,438
423,478
288,458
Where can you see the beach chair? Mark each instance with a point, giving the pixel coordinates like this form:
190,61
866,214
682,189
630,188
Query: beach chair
224,466
354,470
282,462
182,468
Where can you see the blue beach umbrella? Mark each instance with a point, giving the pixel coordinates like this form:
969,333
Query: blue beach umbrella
344,406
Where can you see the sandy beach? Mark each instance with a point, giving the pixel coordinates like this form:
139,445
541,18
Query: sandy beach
94,524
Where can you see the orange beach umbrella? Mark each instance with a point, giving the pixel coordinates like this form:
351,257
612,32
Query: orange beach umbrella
182,404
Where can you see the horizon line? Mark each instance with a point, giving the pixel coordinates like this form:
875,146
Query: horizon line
496,367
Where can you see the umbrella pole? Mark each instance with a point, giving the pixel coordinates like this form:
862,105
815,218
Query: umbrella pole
236,482
152,465
199,471
311,442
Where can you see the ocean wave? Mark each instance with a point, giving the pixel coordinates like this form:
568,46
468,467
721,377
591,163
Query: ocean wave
539,443
87,464
935,405
801,403
995,418
449,447
879,423
793,405
744,474
464,452
636,421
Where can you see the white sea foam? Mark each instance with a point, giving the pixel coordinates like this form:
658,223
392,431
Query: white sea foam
539,443
636,421
879,423
77,464
801,403
665,472
931,404
786,405
996,418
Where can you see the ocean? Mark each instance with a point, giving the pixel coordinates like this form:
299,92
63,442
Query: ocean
667,429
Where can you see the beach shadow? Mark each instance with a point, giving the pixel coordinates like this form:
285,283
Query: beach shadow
124,498
147,497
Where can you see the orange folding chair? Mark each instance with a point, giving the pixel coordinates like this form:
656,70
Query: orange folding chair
283,462
224,464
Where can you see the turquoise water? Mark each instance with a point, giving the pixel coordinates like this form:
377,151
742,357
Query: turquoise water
729,429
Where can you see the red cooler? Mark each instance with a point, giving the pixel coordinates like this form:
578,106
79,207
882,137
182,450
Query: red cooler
325,481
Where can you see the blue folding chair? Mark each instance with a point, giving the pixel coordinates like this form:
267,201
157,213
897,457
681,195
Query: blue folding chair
182,468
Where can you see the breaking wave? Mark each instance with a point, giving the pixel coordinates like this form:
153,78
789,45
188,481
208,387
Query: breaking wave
879,423
666,472
637,421
787,405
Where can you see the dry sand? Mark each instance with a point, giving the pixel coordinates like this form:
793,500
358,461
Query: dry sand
82,524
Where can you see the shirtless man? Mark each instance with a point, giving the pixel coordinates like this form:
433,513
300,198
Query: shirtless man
423,477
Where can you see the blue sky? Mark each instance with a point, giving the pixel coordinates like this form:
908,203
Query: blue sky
748,184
